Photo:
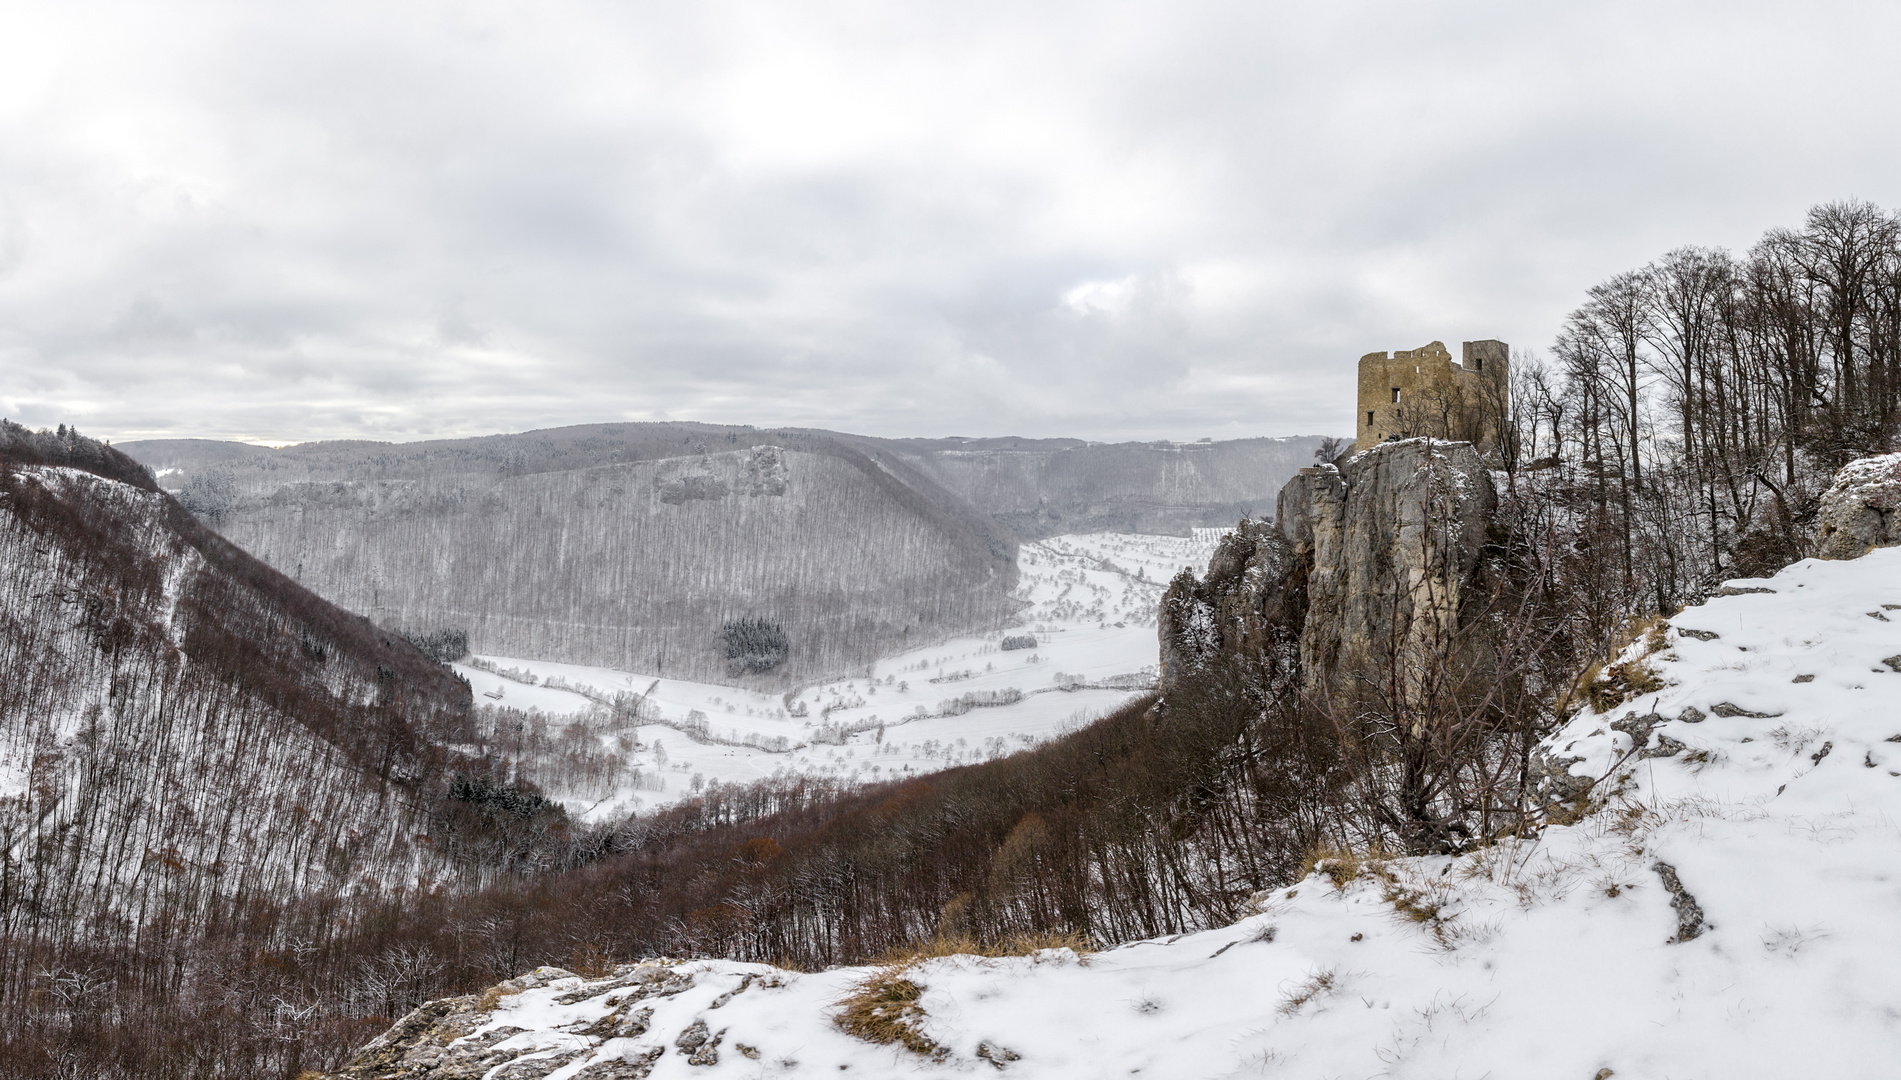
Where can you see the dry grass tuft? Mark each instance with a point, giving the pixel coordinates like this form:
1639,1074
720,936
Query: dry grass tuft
1344,866
1024,944
884,1009
1424,906
1416,905
1619,683
1606,687
1415,900
492,997
1319,984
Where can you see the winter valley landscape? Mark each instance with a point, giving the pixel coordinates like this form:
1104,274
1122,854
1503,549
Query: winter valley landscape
1197,540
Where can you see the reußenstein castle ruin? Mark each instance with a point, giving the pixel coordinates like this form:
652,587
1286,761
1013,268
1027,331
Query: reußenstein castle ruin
1424,392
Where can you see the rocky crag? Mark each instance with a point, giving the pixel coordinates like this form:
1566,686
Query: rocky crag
1365,571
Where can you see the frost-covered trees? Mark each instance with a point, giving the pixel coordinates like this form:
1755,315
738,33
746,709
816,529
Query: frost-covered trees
1696,406
753,644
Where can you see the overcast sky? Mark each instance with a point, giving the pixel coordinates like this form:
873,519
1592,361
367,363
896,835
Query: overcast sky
284,221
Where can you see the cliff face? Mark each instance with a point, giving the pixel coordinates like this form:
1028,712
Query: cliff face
1251,603
1368,564
1393,537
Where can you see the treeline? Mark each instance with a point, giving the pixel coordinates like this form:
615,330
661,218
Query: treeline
1043,488
1696,405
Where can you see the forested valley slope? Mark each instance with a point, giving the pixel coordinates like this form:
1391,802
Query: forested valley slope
633,546
200,759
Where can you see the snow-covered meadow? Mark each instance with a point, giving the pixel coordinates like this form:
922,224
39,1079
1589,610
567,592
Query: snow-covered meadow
1726,909
1089,602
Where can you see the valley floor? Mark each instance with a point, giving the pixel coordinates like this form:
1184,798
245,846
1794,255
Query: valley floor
1090,603
1728,910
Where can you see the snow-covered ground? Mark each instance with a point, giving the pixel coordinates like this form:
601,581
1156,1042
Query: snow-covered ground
1091,608
1769,796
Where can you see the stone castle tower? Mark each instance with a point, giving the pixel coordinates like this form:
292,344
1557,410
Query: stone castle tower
1424,392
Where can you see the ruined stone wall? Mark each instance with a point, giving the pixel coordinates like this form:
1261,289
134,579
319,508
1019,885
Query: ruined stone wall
1423,392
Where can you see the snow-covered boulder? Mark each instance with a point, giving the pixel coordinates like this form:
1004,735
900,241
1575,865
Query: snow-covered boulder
1861,510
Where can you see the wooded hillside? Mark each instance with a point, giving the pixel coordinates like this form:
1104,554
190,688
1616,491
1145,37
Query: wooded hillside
181,726
634,546
630,546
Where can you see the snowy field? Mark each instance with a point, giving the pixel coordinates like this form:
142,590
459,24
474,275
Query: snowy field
1091,603
1767,796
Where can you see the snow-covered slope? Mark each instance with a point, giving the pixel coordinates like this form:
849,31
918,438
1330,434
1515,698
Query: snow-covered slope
1728,908
1091,608
181,726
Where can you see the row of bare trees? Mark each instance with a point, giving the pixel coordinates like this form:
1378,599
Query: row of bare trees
1698,403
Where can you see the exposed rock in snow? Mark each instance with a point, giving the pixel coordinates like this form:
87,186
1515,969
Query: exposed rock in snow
1861,510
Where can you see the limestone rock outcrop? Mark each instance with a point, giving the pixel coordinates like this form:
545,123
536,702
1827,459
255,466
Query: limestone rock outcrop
1253,592
1861,510
1393,536
1369,563
471,1037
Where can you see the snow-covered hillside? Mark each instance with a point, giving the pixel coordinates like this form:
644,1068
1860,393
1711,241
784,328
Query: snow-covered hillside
180,727
622,545
1091,609
1726,909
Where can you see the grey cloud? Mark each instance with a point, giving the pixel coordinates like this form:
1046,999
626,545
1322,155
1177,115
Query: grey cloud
1114,221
